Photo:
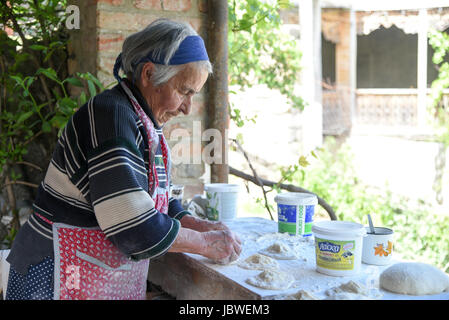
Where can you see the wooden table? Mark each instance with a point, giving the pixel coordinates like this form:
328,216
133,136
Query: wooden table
190,276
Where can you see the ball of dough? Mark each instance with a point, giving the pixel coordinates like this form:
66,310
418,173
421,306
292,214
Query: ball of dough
271,279
259,262
414,278
280,251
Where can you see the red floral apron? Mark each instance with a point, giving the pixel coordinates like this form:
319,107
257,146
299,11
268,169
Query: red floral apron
87,264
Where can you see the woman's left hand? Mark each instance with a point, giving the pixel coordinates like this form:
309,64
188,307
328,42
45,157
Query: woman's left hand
203,225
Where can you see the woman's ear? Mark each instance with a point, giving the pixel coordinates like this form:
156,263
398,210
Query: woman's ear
145,75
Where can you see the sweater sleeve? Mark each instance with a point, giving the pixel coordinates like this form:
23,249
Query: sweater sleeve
175,209
118,181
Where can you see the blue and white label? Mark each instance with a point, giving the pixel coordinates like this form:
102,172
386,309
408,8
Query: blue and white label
295,219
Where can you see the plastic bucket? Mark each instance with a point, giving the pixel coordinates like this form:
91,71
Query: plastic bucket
221,201
338,247
295,212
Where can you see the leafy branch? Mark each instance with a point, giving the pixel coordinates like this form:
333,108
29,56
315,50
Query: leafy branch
259,53
440,43
35,101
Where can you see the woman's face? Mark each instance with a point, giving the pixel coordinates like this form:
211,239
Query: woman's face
175,96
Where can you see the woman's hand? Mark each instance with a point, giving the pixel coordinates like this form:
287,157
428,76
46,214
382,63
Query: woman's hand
222,246
211,239
202,225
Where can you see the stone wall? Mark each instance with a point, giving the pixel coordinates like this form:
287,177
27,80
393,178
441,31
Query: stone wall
105,24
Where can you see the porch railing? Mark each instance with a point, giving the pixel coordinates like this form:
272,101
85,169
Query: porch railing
336,111
387,107
373,107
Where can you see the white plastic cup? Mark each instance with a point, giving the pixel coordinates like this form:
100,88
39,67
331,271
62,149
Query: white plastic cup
295,212
378,247
338,247
221,201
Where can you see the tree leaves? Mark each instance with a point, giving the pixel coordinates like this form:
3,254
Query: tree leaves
24,116
440,43
74,81
259,53
49,73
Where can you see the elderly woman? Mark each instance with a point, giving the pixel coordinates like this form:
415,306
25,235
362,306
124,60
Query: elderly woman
103,210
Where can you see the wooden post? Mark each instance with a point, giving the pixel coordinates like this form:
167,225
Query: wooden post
218,83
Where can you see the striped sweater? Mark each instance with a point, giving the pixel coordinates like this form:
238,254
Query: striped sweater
98,177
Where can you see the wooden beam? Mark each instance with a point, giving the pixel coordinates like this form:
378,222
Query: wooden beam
218,83
288,187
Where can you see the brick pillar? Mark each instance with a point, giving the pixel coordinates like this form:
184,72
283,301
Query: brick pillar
104,26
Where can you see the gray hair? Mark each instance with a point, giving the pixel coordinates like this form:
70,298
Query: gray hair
161,36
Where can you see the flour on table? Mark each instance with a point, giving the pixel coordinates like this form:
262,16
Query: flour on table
272,279
284,237
280,251
347,296
259,262
352,290
351,286
277,236
414,278
302,295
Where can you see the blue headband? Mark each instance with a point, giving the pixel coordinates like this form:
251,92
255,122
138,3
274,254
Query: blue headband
191,49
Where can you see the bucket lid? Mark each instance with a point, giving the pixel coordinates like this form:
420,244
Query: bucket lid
296,198
333,228
222,187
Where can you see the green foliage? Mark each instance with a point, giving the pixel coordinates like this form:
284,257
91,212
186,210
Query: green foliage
440,43
26,72
259,53
420,233
31,117
9,238
34,100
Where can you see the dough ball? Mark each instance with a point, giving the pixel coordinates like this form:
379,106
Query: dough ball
272,279
280,251
259,262
414,278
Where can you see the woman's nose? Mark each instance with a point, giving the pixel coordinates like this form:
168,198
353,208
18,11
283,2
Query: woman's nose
186,107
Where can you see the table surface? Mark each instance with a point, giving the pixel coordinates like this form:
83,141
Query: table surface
258,233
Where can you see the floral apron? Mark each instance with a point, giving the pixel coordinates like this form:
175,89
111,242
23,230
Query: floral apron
87,264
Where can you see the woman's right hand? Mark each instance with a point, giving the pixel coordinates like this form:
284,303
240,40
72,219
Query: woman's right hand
221,246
